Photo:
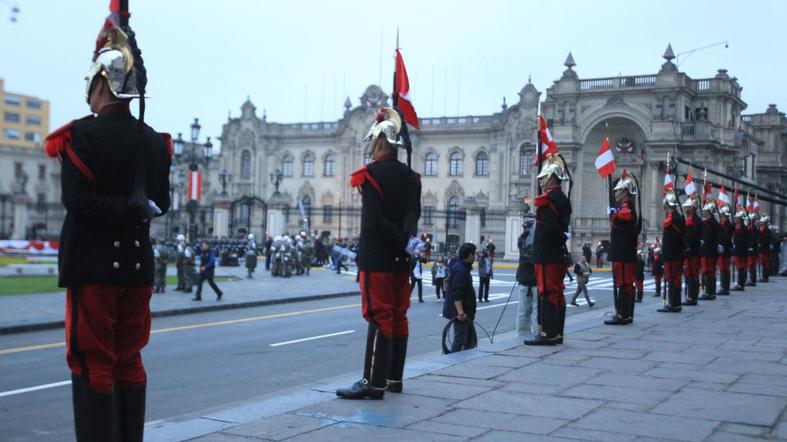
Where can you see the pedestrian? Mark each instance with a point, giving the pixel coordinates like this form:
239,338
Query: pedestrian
160,256
485,274
672,252
709,244
569,264
582,270
268,251
624,229
692,238
390,209
115,180
527,307
657,270
599,254
207,266
460,301
587,252
553,216
416,276
438,275
250,258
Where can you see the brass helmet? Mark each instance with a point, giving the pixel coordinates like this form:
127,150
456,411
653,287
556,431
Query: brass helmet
690,203
553,165
388,122
670,199
765,219
709,207
114,60
740,214
626,182
725,210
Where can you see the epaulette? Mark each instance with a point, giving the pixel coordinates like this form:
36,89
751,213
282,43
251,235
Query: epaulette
168,140
689,221
361,176
624,214
541,200
59,142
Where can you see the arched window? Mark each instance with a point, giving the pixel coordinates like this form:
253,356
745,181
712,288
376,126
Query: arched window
430,164
330,162
453,212
482,164
524,161
455,164
245,164
286,165
308,165
307,208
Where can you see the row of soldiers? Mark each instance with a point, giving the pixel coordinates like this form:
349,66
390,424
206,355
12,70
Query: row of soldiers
696,246
291,255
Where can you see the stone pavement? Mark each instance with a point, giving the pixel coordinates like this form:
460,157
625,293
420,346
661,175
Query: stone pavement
45,310
716,372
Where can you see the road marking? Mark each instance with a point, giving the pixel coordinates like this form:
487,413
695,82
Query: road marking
36,388
295,341
193,327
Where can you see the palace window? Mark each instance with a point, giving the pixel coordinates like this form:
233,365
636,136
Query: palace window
33,120
430,164
308,165
32,103
245,164
453,213
455,164
482,164
286,165
327,214
330,163
11,117
524,161
428,215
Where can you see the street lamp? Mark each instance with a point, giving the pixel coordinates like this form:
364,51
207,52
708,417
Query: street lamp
224,178
192,155
276,178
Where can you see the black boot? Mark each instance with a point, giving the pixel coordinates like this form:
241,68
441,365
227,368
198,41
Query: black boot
619,303
692,289
752,277
92,412
673,299
725,284
396,370
658,291
709,282
550,327
129,413
739,287
375,370
629,318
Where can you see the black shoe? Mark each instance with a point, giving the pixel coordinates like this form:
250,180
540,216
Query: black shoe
591,304
394,386
707,297
360,390
637,299
616,320
669,309
574,303
542,339
421,300
657,295
627,321
737,288
196,299
218,296
688,302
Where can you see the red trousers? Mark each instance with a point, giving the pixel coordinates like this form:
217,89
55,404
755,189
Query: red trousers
625,275
691,267
106,328
741,263
657,278
673,272
385,298
765,263
640,285
753,260
549,278
708,265
724,264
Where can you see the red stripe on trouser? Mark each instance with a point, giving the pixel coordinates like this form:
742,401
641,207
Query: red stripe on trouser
691,267
724,264
765,262
708,265
640,283
385,298
550,283
657,278
625,274
673,272
753,261
741,262
112,326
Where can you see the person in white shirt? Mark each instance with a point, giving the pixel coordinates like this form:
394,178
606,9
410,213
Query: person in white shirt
438,275
416,273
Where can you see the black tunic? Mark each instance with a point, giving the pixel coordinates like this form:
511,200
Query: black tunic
740,241
672,238
692,236
710,238
553,214
623,235
725,237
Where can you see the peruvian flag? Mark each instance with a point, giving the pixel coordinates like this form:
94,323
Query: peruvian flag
605,161
749,203
546,145
738,200
402,99
724,199
195,185
690,189
668,184
756,204
708,192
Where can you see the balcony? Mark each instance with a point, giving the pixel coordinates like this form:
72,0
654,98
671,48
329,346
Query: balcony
629,82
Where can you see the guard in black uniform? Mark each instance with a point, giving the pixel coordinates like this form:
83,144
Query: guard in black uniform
692,239
709,250
754,254
672,253
764,247
391,198
725,249
624,230
114,180
740,248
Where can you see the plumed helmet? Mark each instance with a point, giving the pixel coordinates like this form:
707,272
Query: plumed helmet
690,203
250,237
553,165
387,122
765,219
740,214
180,237
657,250
114,60
709,207
725,211
670,199
752,216
626,182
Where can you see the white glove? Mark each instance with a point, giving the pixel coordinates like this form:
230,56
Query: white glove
611,210
568,235
720,248
154,208
413,245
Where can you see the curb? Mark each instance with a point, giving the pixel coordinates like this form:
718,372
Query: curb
12,329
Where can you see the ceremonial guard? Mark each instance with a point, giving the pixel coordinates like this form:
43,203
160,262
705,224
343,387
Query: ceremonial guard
160,255
764,247
307,253
640,281
692,239
180,248
672,253
725,249
553,216
740,248
390,209
251,255
709,243
625,226
115,179
754,254
657,270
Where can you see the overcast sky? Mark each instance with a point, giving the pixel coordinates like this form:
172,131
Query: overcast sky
300,59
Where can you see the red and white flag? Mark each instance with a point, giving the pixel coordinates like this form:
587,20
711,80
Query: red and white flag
546,145
690,189
708,196
195,185
605,161
668,184
402,92
756,204
749,203
724,199
739,204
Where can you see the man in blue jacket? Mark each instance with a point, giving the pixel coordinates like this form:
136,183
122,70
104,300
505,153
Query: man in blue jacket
460,300
207,266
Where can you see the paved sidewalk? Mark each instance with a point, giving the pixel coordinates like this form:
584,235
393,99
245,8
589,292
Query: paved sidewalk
716,372
45,310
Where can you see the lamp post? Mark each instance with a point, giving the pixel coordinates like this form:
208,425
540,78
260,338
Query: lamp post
193,156
224,178
276,178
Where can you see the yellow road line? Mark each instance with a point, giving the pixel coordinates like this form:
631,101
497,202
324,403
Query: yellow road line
8,351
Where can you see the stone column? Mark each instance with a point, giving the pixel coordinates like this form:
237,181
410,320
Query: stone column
513,230
221,216
276,224
473,226
21,216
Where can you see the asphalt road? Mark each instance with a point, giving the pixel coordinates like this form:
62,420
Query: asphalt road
219,359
